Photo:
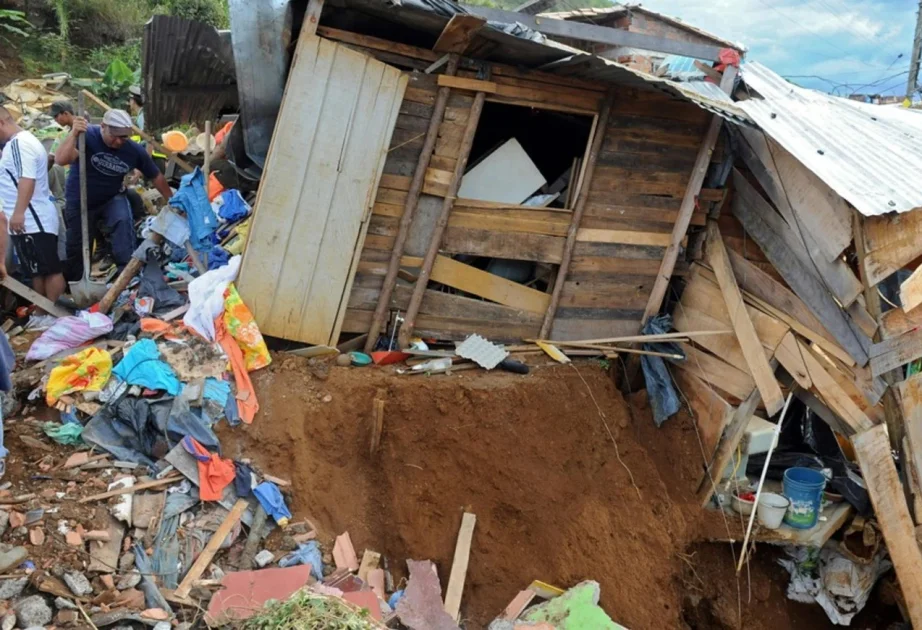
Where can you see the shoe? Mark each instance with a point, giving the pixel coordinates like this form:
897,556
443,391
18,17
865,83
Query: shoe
40,322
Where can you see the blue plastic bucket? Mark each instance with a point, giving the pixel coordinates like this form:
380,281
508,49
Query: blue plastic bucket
804,488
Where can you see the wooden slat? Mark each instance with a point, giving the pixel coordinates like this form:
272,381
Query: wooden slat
464,83
911,404
622,236
710,412
214,543
895,352
735,382
788,355
458,33
459,564
883,484
897,322
806,284
759,368
800,196
911,290
36,298
514,245
729,442
486,285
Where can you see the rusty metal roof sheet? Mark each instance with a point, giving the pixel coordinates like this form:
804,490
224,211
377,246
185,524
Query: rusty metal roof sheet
869,154
189,72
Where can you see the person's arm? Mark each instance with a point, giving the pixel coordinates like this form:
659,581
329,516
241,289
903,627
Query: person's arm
4,240
24,194
67,153
162,186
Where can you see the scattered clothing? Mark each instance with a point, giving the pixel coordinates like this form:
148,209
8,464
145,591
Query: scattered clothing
242,327
206,298
270,497
243,481
88,370
68,434
142,366
214,473
247,405
306,553
231,206
68,333
217,390
40,323
192,198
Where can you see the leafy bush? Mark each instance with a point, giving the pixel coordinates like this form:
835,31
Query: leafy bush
214,12
13,23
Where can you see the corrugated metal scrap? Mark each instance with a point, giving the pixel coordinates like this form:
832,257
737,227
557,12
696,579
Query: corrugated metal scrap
869,154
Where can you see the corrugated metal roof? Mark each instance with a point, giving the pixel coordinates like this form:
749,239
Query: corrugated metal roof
868,154
620,9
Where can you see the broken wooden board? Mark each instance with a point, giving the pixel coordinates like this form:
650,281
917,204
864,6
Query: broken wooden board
708,409
759,368
768,231
911,290
456,579
835,517
729,442
799,195
896,352
38,299
720,374
458,33
893,241
896,322
883,483
104,555
214,543
911,404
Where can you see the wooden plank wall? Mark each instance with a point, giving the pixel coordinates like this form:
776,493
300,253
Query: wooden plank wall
648,152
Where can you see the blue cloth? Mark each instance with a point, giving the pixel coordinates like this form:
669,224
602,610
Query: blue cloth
142,366
270,497
662,394
192,198
217,390
306,553
217,258
107,170
233,207
231,412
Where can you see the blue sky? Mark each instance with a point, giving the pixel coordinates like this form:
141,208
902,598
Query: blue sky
850,43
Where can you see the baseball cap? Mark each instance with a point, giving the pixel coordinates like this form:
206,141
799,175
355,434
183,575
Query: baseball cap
61,107
118,122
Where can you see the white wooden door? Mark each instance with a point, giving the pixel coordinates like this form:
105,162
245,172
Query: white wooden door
315,197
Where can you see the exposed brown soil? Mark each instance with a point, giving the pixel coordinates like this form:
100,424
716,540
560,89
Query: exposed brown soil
531,458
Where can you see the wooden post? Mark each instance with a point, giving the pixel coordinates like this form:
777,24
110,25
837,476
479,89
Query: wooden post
422,280
892,415
207,167
455,587
312,17
883,483
139,132
214,543
409,209
570,244
692,190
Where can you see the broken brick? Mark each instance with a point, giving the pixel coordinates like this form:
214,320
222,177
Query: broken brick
17,519
37,536
73,539
77,459
344,553
157,614
96,534
107,581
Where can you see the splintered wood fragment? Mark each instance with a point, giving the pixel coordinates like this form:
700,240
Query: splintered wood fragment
458,33
33,296
370,560
214,543
732,435
893,353
883,483
459,566
911,290
131,490
759,368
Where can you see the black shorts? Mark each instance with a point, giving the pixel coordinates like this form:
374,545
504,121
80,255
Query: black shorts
38,253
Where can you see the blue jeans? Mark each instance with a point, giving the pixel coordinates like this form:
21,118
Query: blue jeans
3,451
117,218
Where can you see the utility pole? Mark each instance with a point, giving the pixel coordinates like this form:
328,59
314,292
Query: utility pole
913,82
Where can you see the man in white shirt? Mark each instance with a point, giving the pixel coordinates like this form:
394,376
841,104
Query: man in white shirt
28,213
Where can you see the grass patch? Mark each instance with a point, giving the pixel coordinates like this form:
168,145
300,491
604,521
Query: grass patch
306,609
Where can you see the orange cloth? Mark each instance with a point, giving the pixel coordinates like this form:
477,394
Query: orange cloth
214,473
214,187
247,404
223,131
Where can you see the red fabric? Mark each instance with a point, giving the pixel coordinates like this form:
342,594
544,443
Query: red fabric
247,404
222,132
727,57
214,475
214,187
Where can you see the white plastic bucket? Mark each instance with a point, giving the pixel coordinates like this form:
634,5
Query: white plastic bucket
771,510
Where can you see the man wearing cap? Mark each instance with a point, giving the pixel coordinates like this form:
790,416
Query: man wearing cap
110,156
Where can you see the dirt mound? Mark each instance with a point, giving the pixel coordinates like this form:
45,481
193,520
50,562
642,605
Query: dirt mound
530,457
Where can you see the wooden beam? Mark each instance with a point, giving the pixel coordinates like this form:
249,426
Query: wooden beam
897,352
708,409
573,230
311,21
33,296
419,289
463,83
599,34
767,232
883,483
458,34
726,449
484,284
455,587
130,489
689,201
892,241
214,543
911,402
759,368
409,209
911,291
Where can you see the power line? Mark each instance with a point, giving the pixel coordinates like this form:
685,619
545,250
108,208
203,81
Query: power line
846,23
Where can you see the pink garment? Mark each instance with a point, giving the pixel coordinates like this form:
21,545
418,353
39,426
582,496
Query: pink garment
68,333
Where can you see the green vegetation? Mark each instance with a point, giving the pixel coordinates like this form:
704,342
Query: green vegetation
13,23
305,609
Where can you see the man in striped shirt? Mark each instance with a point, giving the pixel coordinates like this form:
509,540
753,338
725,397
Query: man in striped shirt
28,213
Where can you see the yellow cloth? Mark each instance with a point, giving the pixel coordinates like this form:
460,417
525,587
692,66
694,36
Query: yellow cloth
88,370
237,244
242,327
